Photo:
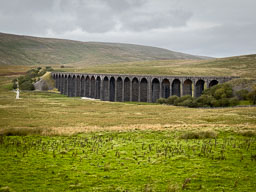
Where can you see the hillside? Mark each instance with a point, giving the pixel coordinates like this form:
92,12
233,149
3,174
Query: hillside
26,50
243,66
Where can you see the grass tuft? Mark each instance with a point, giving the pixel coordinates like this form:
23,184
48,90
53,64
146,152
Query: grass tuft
21,131
6,189
198,135
248,133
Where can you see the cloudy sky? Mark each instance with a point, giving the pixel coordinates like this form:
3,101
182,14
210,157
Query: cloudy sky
217,28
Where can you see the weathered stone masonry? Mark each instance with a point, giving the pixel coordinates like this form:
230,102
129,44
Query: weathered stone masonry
143,88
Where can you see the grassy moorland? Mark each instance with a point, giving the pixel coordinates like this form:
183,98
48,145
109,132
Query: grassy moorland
50,142
26,50
242,66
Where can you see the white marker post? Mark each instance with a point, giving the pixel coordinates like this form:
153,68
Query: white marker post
18,91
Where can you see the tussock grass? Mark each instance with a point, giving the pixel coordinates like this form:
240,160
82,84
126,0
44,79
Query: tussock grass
248,133
6,189
198,135
20,131
128,161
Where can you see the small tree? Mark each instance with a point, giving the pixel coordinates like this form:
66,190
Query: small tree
27,85
233,101
252,96
242,94
183,101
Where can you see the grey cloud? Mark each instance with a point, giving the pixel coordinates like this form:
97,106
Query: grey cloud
203,27
94,16
139,21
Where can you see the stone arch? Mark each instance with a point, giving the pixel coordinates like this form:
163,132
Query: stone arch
87,86
93,81
105,90
143,90
155,89
213,83
78,86
57,82
82,86
187,87
127,89
165,88
176,87
119,89
112,89
69,86
97,93
61,84
73,86
65,89
199,87
135,89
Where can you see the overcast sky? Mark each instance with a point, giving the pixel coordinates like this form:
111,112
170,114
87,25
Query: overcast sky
217,28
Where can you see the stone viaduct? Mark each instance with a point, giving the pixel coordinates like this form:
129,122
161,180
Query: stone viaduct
141,88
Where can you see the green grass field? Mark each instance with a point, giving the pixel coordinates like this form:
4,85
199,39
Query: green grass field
128,161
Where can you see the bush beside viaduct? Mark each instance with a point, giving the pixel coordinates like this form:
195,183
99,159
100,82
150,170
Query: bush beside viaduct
139,88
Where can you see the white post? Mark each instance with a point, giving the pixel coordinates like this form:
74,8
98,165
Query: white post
18,91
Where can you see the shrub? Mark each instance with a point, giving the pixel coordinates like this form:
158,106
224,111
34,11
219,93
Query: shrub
183,101
49,68
161,100
242,94
224,102
27,85
187,102
233,101
205,101
252,96
215,103
14,83
32,75
170,100
220,91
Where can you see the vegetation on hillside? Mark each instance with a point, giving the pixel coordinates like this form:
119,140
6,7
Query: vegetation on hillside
252,96
26,81
221,95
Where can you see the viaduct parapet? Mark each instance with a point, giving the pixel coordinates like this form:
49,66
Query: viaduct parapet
140,88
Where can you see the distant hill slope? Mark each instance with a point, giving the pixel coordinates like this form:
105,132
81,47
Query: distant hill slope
243,66
26,50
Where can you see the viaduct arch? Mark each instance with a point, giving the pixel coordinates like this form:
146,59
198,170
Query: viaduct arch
139,88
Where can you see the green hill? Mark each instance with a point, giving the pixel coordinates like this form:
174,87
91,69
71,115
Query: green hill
95,57
242,66
26,50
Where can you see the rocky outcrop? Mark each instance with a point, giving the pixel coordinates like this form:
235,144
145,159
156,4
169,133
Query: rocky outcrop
45,83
